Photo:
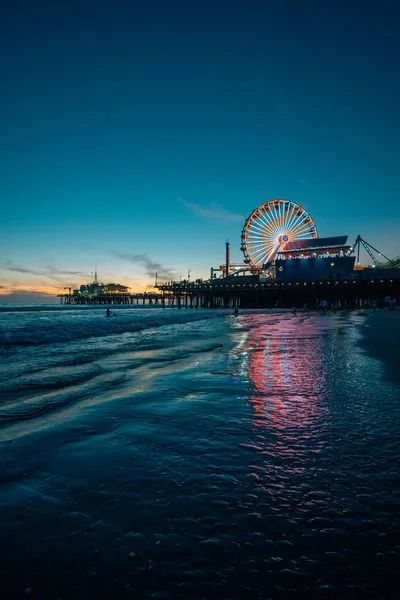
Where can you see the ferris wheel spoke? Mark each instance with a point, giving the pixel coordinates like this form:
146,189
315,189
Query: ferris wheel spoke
303,214
260,259
261,253
287,217
261,246
277,220
258,256
284,213
259,239
258,248
272,252
265,218
270,231
257,259
293,220
267,230
296,220
292,213
256,221
263,229
297,227
300,229
270,216
266,241
265,222
258,225
262,243
259,234
276,227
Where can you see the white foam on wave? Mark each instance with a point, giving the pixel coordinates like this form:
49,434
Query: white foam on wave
48,327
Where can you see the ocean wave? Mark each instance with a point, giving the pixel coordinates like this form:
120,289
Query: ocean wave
37,405
29,329
52,379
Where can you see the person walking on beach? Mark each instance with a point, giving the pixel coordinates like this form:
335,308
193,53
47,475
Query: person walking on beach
108,312
294,310
387,302
324,306
305,308
235,311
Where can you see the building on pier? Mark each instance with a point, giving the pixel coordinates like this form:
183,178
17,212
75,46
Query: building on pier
321,259
280,242
285,263
96,289
99,289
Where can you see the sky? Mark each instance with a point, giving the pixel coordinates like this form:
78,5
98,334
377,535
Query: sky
138,135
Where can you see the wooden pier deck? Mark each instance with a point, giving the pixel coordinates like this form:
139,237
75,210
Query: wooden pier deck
247,292
143,299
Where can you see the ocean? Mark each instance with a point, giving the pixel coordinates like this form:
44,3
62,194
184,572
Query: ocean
189,454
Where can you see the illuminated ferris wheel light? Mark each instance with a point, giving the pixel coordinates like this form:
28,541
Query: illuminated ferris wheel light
271,226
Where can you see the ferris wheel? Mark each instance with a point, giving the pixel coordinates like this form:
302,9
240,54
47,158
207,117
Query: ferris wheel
270,227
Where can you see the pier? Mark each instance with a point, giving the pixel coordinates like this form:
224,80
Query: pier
280,270
249,292
144,299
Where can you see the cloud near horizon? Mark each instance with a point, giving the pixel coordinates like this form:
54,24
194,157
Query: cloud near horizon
23,295
26,291
46,271
151,266
212,211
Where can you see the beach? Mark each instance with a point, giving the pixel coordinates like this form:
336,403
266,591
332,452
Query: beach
381,340
194,454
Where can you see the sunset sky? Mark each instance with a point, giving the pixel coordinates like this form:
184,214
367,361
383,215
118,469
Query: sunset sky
138,135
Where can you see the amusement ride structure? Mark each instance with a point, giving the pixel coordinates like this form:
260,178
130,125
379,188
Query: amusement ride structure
285,264
270,227
279,232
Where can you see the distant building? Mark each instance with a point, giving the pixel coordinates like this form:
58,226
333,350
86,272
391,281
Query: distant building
101,289
114,288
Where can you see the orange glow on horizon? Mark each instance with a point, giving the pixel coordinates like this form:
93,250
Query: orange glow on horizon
8,289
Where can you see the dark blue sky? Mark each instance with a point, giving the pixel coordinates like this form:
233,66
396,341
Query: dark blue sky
155,127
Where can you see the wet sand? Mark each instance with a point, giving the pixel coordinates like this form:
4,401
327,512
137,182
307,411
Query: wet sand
381,339
259,464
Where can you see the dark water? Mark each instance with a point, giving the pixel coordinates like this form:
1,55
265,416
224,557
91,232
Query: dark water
224,458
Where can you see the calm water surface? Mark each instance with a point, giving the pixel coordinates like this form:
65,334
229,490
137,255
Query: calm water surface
219,458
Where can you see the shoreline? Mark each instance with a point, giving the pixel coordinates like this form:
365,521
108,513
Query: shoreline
211,447
381,340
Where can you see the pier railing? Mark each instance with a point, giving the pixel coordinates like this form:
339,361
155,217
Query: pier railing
143,299
266,294
225,293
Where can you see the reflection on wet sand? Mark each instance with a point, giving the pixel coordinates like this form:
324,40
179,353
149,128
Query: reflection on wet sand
286,364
